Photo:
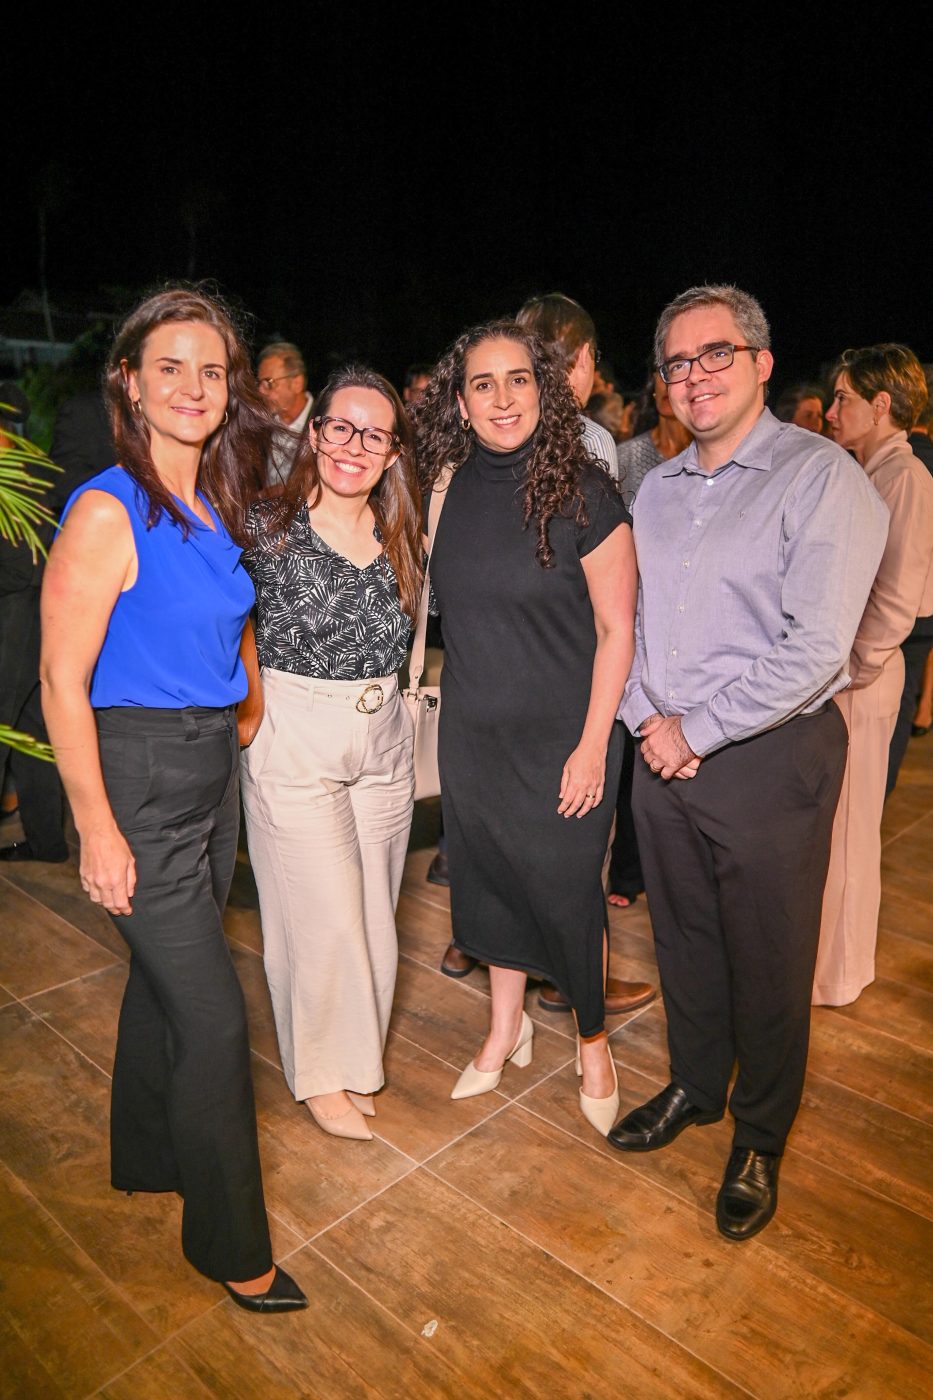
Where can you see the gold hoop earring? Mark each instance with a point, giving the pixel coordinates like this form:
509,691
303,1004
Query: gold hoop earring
225,420
135,405
465,424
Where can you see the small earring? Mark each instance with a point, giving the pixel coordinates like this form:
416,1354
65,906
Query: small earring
135,406
465,424
226,419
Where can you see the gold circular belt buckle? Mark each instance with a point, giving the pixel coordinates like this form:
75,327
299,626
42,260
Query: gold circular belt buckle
372,699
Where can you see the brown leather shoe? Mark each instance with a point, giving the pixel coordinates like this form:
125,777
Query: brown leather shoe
620,996
456,964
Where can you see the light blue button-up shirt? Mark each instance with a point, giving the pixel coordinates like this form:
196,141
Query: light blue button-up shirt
752,581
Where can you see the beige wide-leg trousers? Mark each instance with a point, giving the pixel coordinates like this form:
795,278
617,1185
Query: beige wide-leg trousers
845,962
328,793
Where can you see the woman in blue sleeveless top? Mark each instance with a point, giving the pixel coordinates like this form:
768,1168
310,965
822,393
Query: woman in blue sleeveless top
144,611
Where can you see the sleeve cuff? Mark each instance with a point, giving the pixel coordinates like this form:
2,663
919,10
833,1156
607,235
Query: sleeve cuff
701,732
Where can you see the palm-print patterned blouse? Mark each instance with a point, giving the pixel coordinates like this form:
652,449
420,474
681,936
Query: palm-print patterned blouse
319,615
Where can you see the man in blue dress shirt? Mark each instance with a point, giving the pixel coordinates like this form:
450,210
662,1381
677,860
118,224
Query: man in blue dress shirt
757,548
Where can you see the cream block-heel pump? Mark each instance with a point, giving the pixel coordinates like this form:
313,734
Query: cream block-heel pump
475,1081
600,1113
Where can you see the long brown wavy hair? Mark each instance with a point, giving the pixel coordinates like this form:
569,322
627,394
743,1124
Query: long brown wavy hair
558,456
232,466
395,501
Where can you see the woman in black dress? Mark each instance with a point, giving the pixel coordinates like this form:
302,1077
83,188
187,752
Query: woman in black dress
533,570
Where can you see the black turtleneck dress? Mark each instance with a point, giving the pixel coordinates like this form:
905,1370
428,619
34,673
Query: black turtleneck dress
525,884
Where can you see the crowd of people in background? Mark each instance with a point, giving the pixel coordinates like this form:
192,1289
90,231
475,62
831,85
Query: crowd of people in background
686,641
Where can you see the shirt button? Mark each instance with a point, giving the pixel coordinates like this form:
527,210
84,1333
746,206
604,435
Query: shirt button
709,481
698,522
670,695
673,651
686,563
680,607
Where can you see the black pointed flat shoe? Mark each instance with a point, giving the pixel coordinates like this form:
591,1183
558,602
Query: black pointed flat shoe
282,1295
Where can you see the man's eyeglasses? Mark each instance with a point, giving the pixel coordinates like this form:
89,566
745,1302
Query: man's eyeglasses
714,359
341,433
271,380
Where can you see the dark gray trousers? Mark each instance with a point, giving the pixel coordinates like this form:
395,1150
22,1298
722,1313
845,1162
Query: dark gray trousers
735,862
38,786
183,1116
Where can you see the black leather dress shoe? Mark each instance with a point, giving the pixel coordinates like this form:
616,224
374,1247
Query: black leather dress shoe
282,1295
439,870
748,1195
21,850
658,1122
456,964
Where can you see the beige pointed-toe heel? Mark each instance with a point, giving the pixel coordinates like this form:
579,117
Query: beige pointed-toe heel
600,1113
364,1102
350,1124
475,1081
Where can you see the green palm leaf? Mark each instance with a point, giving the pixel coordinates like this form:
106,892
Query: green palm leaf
21,513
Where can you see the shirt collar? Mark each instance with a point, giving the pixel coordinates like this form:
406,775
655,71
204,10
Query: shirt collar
755,450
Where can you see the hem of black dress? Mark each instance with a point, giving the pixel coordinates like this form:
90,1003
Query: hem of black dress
539,972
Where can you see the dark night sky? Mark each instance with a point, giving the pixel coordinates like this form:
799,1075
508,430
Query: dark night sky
369,191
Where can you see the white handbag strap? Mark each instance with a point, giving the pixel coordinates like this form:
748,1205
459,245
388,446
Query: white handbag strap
438,497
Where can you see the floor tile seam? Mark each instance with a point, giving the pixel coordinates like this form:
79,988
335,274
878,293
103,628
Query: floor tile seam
164,1344
85,1255
406,1327
457,1069
691,1201
865,1186
908,986
462,984
918,821
791,1270
875,1030
316,1234
592,1283
28,894
467,1132
70,1043
70,981
266,1061
868,1098
880,1030
873,1191
242,947
908,938
423,899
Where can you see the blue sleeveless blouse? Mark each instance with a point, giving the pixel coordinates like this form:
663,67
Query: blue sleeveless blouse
173,638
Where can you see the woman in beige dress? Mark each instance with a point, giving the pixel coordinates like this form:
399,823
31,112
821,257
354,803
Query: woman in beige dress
878,393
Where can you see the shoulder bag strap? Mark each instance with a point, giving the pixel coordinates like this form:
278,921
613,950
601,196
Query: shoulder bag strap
438,497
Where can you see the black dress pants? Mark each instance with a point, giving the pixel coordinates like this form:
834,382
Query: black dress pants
735,862
38,786
183,1116
625,875
916,649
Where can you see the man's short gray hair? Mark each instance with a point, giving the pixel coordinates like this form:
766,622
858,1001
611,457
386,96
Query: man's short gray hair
746,310
290,355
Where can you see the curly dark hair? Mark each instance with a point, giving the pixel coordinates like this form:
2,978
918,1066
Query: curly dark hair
558,457
395,500
233,459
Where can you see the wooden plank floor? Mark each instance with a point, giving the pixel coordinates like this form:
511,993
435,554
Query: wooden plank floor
490,1248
